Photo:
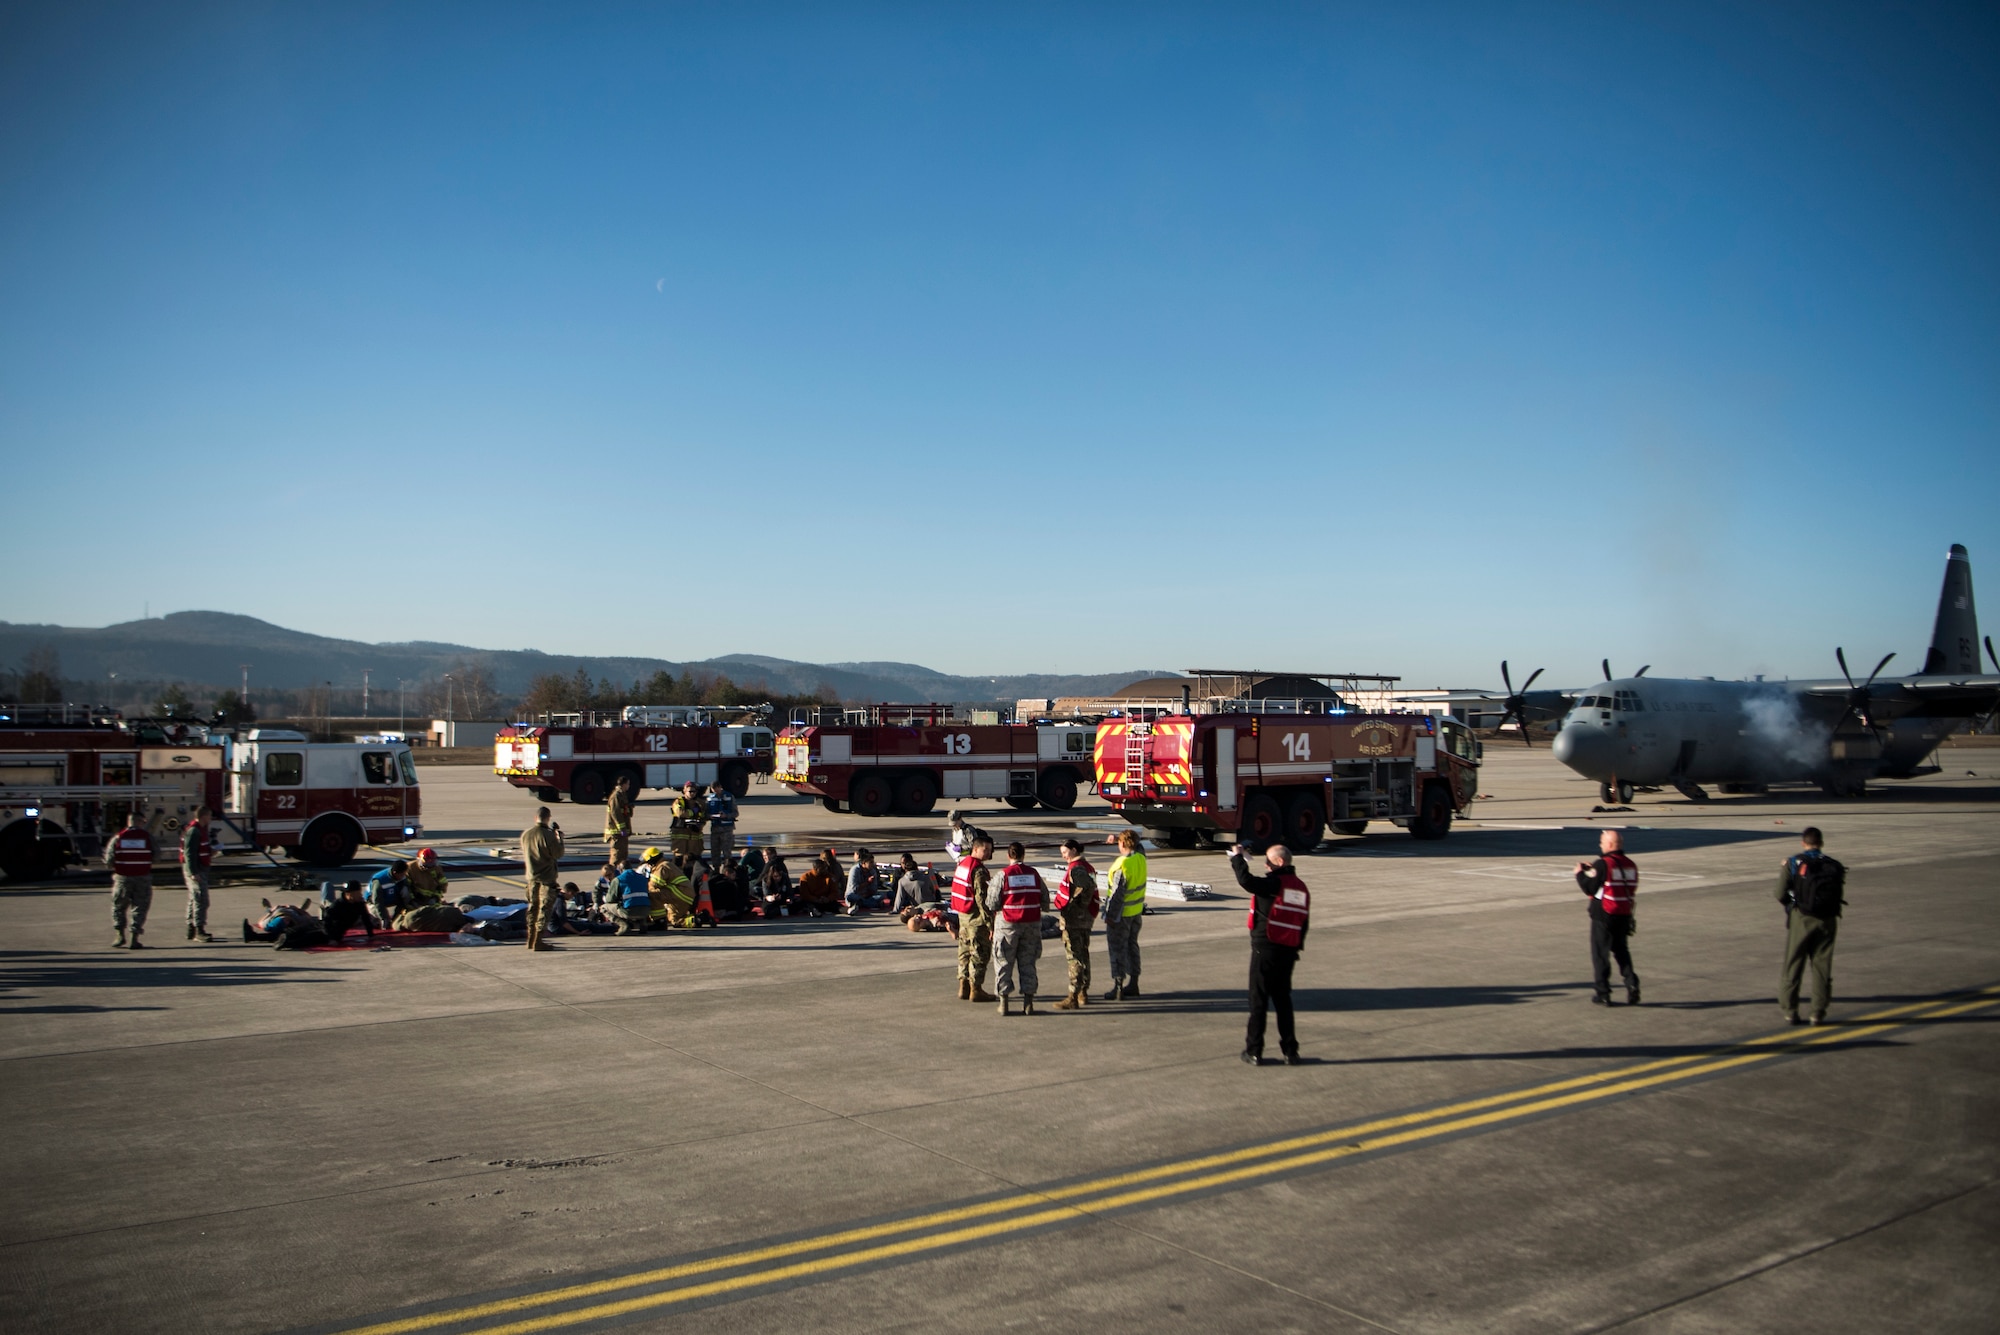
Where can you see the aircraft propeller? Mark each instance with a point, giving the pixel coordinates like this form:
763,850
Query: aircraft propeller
1857,702
1517,701
1606,665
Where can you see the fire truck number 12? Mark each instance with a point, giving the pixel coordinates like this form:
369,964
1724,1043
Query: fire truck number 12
1298,745
659,741
959,744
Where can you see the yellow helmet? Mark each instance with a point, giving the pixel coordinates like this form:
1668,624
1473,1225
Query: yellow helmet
651,855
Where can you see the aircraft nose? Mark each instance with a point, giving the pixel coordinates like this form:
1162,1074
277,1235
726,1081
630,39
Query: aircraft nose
1585,750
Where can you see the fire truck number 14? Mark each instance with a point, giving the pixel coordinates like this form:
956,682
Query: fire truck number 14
1298,745
958,744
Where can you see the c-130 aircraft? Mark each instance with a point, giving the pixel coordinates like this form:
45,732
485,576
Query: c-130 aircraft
1743,736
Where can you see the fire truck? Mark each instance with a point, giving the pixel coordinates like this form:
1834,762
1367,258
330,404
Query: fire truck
656,746
1255,777
903,758
69,776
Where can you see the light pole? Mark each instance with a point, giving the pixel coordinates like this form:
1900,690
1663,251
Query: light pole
447,697
364,691
402,707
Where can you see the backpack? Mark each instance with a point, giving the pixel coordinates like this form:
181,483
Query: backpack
1817,887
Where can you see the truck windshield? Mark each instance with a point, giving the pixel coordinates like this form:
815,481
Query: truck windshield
409,767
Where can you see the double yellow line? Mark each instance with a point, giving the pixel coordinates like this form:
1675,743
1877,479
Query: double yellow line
942,1229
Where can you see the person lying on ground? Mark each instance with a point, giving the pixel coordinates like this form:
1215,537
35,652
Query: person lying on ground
276,918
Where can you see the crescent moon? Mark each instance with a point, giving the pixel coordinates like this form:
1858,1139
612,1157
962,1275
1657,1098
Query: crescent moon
661,287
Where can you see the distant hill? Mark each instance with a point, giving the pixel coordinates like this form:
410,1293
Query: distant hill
206,649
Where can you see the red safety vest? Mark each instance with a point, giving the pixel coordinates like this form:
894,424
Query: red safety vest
1064,889
132,855
1285,924
1021,896
961,885
201,850
1621,882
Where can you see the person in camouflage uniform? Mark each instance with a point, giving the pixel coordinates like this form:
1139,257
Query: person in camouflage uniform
195,856
975,921
1076,900
130,853
618,820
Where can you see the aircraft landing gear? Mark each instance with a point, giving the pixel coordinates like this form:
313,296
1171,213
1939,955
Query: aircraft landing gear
1691,791
1619,796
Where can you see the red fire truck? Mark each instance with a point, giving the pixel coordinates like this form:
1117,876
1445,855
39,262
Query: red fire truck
68,776
656,746
1259,777
903,758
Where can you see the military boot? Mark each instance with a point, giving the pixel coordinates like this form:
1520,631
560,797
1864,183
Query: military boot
190,931
1068,1003
1003,1003
965,989
979,993
119,944
1117,992
1028,1005
1082,998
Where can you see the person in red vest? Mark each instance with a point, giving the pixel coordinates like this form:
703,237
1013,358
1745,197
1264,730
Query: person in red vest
1612,882
130,853
1076,900
196,853
1017,898
1280,905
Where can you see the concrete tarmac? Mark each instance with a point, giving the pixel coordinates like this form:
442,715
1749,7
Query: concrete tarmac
795,1125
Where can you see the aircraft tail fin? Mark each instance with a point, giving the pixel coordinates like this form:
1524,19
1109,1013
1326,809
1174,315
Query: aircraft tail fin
1955,636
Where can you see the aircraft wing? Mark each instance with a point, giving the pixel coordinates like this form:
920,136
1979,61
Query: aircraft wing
1934,697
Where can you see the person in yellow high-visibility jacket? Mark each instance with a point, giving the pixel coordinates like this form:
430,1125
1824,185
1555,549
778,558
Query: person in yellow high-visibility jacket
1124,901
673,896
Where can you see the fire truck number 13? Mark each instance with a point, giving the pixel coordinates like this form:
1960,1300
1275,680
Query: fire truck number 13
958,744
1298,745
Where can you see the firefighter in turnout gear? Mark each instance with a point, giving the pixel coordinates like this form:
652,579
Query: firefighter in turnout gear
130,853
1017,898
427,879
684,824
969,885
1612,882
1812,888
618,820
1123,905
541,855
673,895
1279,907
196,854
1076,900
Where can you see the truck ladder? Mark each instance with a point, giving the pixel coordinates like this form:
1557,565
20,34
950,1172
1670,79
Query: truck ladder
1137,755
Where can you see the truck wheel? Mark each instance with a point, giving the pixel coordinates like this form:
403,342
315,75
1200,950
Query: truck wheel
1305,823
1348,826
548,794
870,795
833,804
736,778
586,788
329,841
1262,826
1433,818
23,857
916,795
295,852
1058,789
1175,838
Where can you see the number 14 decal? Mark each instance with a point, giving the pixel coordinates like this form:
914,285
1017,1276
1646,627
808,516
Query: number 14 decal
958,744
1298,745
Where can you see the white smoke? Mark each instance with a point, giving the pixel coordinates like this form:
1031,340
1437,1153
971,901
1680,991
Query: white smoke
1786,744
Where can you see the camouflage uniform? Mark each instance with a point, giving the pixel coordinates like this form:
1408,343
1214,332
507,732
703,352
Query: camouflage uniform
541,852
194,870
131,894
1076,923
1018,944
975,933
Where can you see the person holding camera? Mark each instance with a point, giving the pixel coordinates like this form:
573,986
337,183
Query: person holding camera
1280,906
1612,882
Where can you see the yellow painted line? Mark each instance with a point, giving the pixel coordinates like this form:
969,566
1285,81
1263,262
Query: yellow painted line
1360,1138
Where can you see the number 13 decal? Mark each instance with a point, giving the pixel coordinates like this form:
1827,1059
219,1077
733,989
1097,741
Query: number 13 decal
958,744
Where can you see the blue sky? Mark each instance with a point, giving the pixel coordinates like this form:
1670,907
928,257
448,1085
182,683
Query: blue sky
1009,338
